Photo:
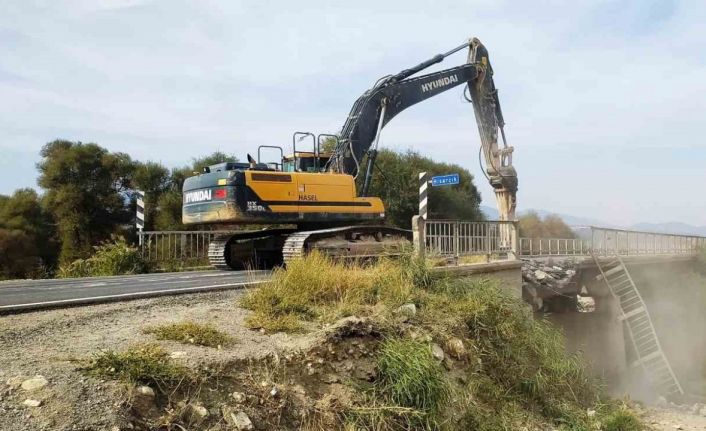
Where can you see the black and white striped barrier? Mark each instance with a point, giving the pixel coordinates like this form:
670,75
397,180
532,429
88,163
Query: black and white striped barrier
423,194
418,225
140,212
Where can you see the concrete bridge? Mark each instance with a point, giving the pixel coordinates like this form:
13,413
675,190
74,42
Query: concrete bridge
613,270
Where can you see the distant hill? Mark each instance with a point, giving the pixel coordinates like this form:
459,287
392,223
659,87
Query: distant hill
670,227
678,228
491,213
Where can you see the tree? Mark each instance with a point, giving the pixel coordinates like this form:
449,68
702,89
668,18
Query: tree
86,192
18,257
552,226
154,180
212,159
396,182
26,235
169,211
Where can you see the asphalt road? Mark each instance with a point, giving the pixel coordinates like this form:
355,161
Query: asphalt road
22,295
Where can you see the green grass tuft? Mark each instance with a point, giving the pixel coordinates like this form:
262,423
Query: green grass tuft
622,419
409,376
191,333
142,364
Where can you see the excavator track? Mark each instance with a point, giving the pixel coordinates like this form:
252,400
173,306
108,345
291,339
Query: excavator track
221,256
217,251
351,242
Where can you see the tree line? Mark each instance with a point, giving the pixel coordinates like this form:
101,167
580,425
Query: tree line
87,196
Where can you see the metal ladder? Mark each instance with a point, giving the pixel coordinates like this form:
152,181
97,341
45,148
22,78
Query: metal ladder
642,333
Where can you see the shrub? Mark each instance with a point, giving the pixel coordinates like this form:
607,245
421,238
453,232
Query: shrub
145,364
110,258
191,333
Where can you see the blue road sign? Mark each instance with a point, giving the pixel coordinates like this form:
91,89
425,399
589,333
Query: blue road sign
445,180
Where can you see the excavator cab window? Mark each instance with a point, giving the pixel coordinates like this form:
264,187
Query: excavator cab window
305,162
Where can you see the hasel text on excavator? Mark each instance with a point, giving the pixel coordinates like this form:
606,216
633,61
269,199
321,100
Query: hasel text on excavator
308,199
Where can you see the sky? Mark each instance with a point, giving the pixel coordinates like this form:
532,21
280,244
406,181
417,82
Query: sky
605,101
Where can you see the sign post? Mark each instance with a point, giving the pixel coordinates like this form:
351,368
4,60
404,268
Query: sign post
140,213
419,221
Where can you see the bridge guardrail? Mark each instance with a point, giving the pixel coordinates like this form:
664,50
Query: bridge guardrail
554,247
455,238
608,241
176,246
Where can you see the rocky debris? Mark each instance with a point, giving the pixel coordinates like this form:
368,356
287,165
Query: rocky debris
456,348
437,352
32,403
669,416
14,382
194,414
239,397
406,311
274,391
350,326
237,420
36,382
544,280
143,401
145,391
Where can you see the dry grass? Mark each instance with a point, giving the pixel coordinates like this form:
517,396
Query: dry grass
144,364
191,333
318,288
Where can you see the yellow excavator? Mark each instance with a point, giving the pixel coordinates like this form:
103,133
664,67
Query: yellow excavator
309,200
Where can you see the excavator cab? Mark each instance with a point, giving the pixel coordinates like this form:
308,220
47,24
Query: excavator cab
303,161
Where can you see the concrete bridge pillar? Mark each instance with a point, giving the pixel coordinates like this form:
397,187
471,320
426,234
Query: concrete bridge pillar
598,335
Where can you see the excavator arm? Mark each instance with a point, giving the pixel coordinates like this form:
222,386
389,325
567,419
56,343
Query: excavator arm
393,94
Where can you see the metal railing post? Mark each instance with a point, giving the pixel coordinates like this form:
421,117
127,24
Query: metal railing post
455,241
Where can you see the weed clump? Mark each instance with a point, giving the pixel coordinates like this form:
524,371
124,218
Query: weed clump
191,333
409,376
622,419
316,287
110,258
147,364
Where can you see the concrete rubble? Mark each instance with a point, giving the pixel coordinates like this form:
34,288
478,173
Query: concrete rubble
36,382
542,281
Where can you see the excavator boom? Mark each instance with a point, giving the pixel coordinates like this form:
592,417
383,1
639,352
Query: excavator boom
393,94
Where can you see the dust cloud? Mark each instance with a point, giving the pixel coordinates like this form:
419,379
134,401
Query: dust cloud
675,296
